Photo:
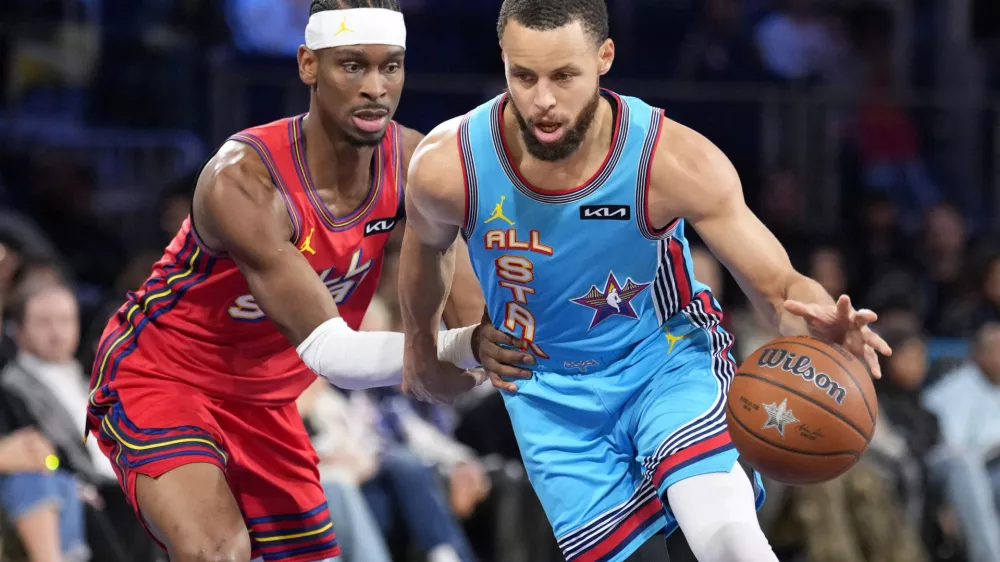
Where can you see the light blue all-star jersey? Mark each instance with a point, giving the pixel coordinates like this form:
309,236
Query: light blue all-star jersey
628,393
580,273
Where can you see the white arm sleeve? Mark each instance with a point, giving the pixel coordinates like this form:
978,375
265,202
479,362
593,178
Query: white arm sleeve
355,360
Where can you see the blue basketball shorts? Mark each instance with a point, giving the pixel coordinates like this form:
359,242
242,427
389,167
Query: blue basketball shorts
602,448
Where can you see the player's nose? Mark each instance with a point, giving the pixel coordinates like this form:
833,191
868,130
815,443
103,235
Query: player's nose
544,100
374,86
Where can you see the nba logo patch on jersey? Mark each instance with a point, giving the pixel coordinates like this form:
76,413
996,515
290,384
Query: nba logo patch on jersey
614,300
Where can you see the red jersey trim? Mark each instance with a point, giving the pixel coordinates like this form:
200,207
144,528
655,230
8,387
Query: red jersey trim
356,216
265,155
397,140
644,178
201,243
469,179
618,137
159,295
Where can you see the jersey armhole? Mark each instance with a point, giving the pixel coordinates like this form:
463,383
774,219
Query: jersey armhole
468,179
643,221
199,241
397,168
264,153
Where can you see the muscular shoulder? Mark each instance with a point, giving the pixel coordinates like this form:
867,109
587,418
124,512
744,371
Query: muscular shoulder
690,176
436,177
408,140
234,186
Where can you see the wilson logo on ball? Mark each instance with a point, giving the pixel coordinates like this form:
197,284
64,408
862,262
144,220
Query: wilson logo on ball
801,366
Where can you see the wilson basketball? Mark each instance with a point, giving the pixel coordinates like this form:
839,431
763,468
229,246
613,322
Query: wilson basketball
801,411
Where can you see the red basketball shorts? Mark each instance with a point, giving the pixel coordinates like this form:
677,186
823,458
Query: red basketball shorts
150,426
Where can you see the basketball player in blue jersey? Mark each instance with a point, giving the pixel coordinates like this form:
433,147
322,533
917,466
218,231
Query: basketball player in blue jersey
611,356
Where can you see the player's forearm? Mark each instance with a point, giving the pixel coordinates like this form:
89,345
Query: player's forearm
803,289
290,294
425,275
465,303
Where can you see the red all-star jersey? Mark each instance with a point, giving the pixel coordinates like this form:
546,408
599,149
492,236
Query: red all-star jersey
195,321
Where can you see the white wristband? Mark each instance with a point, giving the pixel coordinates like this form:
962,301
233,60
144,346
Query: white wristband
455,347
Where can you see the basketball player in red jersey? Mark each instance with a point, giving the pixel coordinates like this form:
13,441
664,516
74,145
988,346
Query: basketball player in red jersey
193,389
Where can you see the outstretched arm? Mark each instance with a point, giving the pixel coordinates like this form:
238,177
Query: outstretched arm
693,179
434,211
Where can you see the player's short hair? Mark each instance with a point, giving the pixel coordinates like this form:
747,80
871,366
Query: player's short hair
326,5
543,15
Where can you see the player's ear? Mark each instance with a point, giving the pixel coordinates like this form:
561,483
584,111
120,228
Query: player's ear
606,55
308,65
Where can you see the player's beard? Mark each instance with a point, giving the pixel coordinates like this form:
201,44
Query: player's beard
571,141
365,141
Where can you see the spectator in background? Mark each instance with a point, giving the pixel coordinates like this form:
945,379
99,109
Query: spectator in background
720,48
888,139
782,208
375,439
975,386
907,432
827,267
967,404
944,267
61,202
43,505
989,310
796,43
175,206
348,457
878,243
282,35
45,387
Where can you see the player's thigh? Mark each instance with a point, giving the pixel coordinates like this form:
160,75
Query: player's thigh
274,476
678,420
581,465
170,457
192,512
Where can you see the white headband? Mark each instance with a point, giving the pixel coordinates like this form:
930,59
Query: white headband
357,26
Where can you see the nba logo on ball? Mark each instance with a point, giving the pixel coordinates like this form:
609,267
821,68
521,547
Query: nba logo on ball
801,411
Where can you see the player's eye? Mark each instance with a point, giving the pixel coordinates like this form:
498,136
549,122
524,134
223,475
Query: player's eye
563,76
393,67
352,67
524,77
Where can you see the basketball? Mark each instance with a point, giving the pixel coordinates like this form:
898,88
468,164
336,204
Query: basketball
801,411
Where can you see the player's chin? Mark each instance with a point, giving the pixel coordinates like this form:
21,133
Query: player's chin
363,139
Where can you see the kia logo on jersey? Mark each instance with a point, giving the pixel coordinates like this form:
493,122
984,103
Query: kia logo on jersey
379,226
605,212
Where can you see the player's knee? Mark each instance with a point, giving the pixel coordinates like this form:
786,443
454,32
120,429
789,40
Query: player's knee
734,541
231,545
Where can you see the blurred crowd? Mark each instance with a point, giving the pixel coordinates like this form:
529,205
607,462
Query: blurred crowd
898,207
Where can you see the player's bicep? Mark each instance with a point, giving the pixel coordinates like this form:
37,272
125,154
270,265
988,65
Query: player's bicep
706,186
435,193
422,222
245,218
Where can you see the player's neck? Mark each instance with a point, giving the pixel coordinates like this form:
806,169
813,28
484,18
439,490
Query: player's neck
334,163
572,170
